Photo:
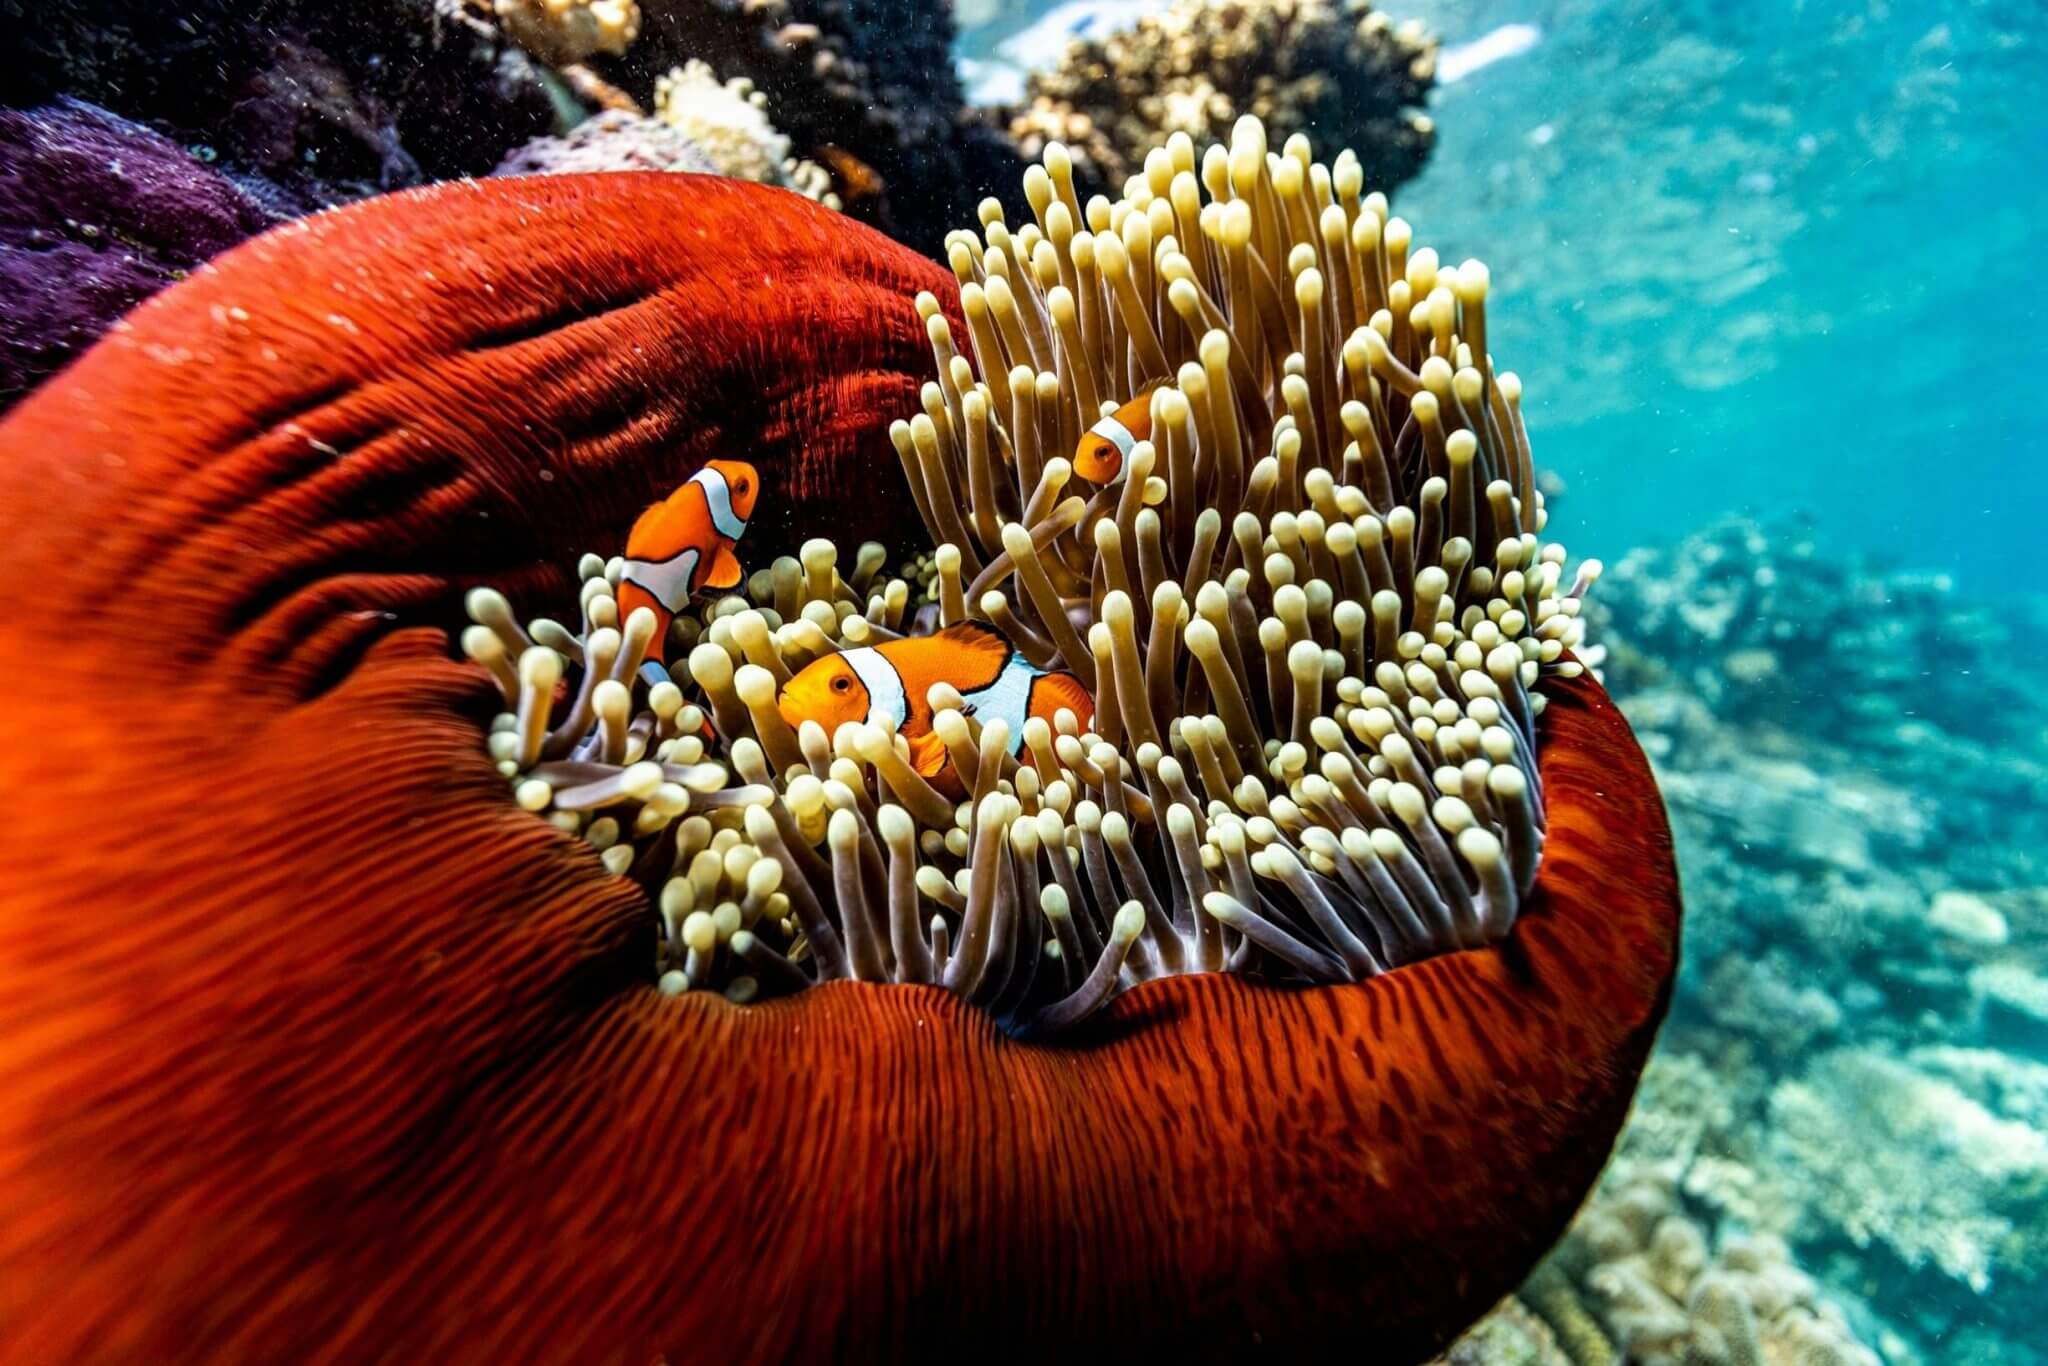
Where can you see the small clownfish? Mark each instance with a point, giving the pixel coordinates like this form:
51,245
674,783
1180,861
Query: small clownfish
684,544
1108,444
886,685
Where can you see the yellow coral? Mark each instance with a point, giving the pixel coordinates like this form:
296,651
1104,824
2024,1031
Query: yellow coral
563,32
728,120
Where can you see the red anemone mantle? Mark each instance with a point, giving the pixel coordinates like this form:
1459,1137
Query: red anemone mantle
312,1045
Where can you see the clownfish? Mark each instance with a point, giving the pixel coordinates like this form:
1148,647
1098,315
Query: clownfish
886,685
684,544
1108,444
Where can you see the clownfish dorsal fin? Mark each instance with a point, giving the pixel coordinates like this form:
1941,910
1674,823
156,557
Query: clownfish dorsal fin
1137,414
725,570
973,635
977,653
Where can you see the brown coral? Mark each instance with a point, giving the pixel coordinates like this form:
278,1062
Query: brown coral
865,88
1334,68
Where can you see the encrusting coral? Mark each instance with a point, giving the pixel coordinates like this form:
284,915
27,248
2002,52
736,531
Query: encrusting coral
1312,612
613,140
1336,68
1638,1280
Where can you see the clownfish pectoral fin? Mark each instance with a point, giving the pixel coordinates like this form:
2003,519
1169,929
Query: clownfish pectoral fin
725,570
928,754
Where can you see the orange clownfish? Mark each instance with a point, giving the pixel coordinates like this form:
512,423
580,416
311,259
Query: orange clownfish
1108,444
684,544
886,686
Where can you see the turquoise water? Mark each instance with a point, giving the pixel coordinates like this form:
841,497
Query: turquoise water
1770,255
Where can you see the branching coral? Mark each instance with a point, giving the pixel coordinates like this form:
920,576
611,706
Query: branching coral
1332,67
1887,1154
728,120
563,32
1312,748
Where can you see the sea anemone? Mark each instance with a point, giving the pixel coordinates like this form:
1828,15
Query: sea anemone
1313,742
318,1039
1312,748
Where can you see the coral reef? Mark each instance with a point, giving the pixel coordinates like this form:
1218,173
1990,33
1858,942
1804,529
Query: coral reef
96,214
1885,1153
1643,1279
1750,619
1336,68
1676,1259
1510,1335
864,89
1824,801
1864,1010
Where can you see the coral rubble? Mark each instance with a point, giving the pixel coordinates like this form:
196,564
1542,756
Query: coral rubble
1334,68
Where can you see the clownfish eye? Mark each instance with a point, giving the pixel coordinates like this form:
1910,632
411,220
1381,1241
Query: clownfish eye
842,684
741,487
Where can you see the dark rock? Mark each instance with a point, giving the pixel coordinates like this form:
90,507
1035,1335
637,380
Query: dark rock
97,214
322,102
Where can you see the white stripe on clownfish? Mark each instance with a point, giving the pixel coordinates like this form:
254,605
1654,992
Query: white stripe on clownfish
888,702
1118,435
1009,697
718,497
668,580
